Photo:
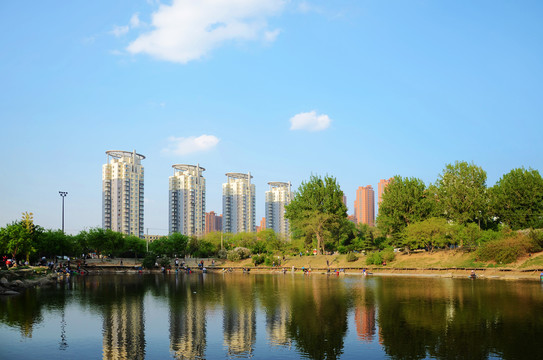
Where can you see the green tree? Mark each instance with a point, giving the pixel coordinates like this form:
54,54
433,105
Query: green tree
134,245
517,199
404,202
427,234
17,238
178,243
317,208
462,194
52,242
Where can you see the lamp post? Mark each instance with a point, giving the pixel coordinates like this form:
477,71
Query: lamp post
63,195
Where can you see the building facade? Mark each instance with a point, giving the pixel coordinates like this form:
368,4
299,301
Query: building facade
364,205
383,183
238,203
187,207
277,198
213,222
122,192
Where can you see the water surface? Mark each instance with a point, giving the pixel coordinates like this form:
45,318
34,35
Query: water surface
270,316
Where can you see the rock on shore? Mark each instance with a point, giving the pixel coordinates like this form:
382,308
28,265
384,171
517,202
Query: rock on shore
18,283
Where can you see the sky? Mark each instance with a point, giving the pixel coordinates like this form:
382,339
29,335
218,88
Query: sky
360,90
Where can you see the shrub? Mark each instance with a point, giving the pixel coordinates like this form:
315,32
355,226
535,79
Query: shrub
238,253
233,255
342,249
222,254
506,250
351,257
388,255
149,261
374,258
164,261
258,259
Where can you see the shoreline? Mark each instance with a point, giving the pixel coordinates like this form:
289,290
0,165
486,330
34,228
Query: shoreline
491,273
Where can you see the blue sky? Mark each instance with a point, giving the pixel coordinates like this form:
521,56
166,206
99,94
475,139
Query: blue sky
361,90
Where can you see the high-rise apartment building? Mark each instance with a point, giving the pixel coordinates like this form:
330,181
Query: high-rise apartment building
238,203
262,225
213,222
383,183
277,197
187,200
122,192
364,205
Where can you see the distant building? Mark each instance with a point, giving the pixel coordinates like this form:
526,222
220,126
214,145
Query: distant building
277,198
262,225
383,183
238,203
187,200
213,222
351,218
151,238
122,192
364,205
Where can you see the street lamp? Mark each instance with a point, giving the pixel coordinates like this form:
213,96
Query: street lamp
63,195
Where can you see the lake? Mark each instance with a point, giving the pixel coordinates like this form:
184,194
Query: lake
273,316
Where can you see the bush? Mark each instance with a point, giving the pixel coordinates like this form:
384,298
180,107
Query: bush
222,254
233,255
238,253
342,249
351,257
388,255
258,259
374,258
164,261
149,261
506,250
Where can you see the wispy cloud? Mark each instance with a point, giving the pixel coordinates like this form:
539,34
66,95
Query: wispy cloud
186,30
120,30
192,144
135,22
310,121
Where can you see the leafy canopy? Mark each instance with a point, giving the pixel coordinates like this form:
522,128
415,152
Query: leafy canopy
317,208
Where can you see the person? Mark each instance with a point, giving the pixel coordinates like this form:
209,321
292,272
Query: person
176,262
541,276
121,262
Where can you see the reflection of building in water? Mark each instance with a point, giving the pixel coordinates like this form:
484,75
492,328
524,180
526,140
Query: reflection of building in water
188,328
240,329
364,318
277,322
124,333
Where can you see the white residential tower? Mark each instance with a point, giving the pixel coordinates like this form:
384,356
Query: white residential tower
122,192
187,200
238,203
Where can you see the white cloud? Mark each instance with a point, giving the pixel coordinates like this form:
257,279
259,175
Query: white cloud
270,36
135,21
310,121
187,30
120,30
184,146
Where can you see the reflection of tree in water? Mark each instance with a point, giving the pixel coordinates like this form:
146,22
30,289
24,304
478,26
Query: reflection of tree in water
23,311
318,320
456,319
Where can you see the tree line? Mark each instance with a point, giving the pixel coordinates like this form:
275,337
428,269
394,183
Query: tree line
459,210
